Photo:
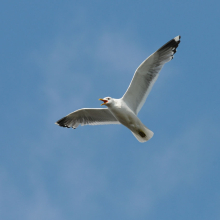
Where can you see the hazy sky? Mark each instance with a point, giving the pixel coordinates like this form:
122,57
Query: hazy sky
59,56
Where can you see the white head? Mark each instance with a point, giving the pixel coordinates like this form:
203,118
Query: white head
107,101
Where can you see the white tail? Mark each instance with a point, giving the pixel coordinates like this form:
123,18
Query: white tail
143,135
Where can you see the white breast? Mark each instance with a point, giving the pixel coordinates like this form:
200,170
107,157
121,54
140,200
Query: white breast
125,115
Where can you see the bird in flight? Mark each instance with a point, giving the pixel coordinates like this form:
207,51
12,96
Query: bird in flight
125,110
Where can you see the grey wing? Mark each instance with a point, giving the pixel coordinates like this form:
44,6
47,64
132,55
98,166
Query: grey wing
88,116
147,73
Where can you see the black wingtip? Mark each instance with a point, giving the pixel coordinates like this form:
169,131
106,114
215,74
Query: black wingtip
174,43
62,123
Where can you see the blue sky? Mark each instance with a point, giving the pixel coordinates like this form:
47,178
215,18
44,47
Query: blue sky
60,56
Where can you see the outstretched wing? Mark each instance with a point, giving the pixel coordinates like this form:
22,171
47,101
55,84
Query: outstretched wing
88,116
147,73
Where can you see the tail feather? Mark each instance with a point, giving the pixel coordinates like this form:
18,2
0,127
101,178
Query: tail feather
143,135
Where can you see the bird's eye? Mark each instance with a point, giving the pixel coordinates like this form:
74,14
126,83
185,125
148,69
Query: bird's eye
108,98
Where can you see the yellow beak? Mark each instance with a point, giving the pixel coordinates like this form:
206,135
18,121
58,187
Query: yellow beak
105,101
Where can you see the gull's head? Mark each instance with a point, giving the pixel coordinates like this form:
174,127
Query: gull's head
106,101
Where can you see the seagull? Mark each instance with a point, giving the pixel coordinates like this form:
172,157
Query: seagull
125,110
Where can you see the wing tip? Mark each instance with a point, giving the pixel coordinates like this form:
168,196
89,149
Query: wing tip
62,123
177,38
171,45
177,41
176,44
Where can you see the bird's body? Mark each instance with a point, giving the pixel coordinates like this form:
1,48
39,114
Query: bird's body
124,111
129,119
